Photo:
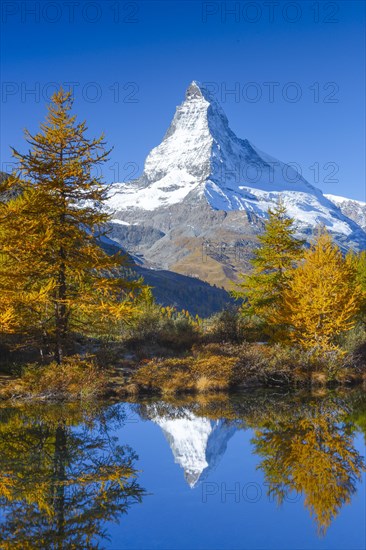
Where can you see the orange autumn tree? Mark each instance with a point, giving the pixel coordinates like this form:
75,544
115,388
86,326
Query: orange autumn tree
323,297
21,303
55,279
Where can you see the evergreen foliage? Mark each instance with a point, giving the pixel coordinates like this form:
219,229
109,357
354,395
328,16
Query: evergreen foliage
273,261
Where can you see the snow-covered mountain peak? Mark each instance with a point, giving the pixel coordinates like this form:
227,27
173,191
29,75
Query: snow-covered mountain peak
198,91
201,160
182,158
195,91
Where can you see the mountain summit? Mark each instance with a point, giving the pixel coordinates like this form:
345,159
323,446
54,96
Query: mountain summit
203,182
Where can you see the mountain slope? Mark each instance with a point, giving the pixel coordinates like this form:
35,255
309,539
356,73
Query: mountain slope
355,210
204,194
176,290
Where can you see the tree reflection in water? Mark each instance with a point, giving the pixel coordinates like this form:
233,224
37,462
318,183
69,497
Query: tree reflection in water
310,450
304,443
62,476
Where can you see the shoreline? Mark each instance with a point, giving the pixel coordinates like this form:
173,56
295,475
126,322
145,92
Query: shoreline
118,389
202,369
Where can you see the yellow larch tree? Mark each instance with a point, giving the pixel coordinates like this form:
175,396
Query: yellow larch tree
55,278
323,297
23,290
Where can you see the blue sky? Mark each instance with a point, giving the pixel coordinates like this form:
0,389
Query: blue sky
132,61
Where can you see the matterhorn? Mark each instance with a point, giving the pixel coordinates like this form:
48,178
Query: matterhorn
204,194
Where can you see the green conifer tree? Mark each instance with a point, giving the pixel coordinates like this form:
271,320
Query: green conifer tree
272,262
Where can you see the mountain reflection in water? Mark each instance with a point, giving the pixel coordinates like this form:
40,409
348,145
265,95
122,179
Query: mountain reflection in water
304,444
67,476
197,443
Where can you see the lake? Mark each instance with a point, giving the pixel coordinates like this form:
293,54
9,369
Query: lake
254,470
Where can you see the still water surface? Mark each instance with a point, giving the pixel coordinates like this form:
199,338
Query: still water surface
260,470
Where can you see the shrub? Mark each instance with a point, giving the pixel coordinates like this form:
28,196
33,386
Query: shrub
231,326
76,378
214,367
164,326
224,326
285,365
178,333
204,372
350,341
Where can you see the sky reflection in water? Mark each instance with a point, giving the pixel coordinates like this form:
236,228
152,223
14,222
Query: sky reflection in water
253,471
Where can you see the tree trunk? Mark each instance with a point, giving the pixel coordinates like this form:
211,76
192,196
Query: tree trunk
61,310
60,478
61,313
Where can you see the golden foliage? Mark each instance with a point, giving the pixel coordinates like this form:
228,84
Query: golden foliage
54,276
311,454
322,300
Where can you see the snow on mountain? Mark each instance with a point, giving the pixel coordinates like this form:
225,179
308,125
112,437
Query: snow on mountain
353,209
201,156
203,197
120,222
177,166
197,443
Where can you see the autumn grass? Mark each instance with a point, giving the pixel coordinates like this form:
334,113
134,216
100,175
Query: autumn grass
204,368
75,379
201,372
221,367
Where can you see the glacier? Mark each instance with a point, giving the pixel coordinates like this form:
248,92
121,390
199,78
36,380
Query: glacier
353,209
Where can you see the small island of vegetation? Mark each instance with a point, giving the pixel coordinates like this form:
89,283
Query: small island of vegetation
74,323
